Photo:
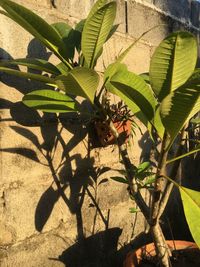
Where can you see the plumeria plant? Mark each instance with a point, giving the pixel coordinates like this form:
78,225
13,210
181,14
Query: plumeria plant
164,100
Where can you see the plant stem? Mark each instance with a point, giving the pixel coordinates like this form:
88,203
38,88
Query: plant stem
159,240
133,188
172,175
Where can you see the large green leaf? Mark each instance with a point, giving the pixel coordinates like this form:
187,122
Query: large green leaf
33,63
179,107
49,101
133,89
35,25
99,4
95,32
157,123
28,75
77,34
63,68
191,205
173,62
66,33
79,82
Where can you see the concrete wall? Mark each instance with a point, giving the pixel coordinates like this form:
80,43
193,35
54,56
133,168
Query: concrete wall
47,197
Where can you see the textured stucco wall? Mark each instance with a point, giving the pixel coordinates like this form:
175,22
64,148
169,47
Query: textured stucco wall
31,170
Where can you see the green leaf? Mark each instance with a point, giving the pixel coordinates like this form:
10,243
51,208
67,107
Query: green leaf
143,166
28,75
179,107
195,121
150,180
79,82
143,175
132,89
145,76
116,65
36,26
112,31
33,63
133,210
66,33
119,179
172,63
99,4
49,101
157,123
191,205
77,34
63,68
195,150
95,32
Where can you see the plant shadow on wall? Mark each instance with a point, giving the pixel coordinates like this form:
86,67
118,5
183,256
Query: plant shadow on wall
157,99
85,180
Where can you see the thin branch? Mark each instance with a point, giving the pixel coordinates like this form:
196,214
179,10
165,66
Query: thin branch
172,175
133,188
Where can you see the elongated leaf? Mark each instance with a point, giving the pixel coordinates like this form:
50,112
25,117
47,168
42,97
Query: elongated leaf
28,75
33,63
63,68
179,107
173,62
35,25
133,89
114,67
49,101
191,205
79,82
119,179
95,32
195,150
99,4
77,34
66,33
143,166
142,175
133,210
157,123
150,180
112,31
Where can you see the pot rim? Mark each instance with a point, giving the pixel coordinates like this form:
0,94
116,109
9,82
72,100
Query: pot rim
134,257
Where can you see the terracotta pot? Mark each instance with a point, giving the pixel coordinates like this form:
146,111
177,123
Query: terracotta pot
105,135
134,258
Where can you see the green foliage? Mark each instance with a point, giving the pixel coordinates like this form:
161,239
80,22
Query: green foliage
33,63
119,179
172,63
179,107
32,76
36,26
164,100
191,205
133,89
49,101
133,210
96,31
80,81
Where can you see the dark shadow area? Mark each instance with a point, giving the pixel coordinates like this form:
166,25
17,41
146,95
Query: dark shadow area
179,8
72,173
99,250
173,221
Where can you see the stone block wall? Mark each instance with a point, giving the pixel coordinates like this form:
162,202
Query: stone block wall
50,184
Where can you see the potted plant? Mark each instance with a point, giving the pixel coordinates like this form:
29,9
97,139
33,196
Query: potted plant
164,100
